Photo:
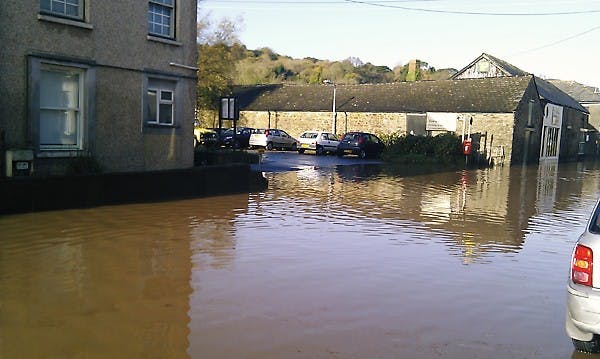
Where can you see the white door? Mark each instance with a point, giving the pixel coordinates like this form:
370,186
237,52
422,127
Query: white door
551,131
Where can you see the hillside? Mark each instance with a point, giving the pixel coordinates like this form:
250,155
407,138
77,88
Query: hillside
222,66
263,66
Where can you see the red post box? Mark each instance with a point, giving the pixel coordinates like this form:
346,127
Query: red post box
467,147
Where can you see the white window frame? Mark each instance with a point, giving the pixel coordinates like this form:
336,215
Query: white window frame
162,4
54,12
160,101
79,110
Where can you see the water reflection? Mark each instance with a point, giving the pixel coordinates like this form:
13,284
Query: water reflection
104,282
349,262
352,262
477,211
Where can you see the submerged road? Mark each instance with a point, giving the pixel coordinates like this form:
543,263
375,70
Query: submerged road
281,161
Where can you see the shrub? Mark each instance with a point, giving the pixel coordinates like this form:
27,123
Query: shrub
443,148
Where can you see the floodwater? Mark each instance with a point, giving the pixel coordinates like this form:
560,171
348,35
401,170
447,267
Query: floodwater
343,262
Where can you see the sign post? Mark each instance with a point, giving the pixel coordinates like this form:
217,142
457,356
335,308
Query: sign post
230,110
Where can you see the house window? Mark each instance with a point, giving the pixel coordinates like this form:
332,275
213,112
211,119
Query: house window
161,18
160,110
64,8
61,112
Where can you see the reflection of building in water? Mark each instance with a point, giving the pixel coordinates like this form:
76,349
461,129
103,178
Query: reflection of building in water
477,210
104,282
546,185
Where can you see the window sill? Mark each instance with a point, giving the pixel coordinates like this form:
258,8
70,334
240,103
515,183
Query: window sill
164,41
60,20
58,153
156,125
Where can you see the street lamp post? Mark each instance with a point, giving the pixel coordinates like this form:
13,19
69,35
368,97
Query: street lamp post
333,122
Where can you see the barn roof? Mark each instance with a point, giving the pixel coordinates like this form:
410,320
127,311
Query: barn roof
506,68
487,95
580,92
553,94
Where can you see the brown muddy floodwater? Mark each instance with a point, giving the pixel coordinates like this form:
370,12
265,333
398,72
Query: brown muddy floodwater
346,262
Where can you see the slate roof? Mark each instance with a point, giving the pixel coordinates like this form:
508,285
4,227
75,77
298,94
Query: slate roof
511,69
553,94
484,95
507,68
582,93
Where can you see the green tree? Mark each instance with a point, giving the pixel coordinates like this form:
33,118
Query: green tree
216,67
215,70
315,75
369,73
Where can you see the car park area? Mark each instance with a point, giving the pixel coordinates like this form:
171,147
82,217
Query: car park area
278,161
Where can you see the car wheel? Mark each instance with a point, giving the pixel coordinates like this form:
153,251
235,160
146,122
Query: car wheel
320,150
270,146
301,151
236,145
593,346
294,147
362,154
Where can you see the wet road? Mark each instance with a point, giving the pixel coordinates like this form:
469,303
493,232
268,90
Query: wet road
331,261
278,161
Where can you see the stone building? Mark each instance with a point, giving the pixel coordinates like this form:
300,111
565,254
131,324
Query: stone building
110,83
588,97
504,116
561,110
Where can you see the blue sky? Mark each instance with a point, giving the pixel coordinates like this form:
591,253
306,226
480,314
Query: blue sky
550,38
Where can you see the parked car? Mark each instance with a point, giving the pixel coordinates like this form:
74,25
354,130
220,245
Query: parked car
205,137
361,144
242,137
318,141
220,134
271,138
583,290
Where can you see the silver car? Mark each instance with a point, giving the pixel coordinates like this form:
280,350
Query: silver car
318,141
583,299
271,138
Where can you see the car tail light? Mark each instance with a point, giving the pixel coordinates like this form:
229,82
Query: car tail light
582,266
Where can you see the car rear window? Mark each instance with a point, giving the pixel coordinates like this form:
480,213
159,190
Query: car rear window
309,135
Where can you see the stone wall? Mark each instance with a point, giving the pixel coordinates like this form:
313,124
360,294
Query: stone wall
492,133
31,194
572,134
297,122
593,140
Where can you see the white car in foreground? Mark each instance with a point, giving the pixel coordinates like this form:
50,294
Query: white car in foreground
319,141
583,298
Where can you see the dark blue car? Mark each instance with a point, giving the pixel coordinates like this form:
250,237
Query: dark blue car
242,137
361,144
